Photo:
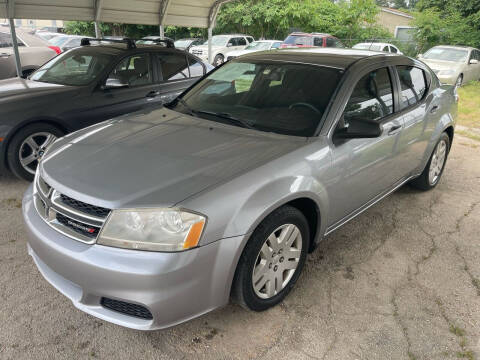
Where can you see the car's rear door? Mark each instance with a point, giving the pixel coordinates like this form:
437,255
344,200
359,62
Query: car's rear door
177,71
420,111
365,167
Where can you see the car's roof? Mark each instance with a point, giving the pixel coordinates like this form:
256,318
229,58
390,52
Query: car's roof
269,41
308,34
374,43
455,47
332,57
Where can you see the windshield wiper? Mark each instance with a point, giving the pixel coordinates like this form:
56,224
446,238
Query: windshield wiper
228,117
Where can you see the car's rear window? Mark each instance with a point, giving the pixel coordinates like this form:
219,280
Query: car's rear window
285,98
298,40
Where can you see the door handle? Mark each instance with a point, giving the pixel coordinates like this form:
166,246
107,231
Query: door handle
395,129
153,94
434,109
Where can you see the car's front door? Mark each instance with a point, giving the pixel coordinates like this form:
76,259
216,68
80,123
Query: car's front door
129,87
365,166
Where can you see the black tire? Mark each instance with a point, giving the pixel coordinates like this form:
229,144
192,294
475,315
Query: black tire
242,290
218,60
459,82
13,151
423,182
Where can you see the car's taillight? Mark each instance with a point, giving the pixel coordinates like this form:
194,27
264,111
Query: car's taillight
56,49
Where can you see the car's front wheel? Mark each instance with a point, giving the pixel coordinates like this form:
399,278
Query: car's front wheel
28,146
433,171
272,260
218,60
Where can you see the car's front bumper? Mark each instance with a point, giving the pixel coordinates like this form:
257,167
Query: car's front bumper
448,79
174,287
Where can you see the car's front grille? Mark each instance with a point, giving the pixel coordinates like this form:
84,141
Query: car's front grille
126,308
83,207
77,226
73,218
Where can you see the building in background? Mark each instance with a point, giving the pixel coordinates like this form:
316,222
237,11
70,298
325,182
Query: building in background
399,23
36,24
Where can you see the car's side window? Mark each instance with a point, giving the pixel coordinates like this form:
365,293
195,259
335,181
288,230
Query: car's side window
173,66
276,45
241,42
134,70
413,85
393,49
318,41
232,42
386,49
372,98
331,42
196,67
250,39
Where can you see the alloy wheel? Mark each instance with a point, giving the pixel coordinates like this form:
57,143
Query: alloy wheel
277,261
438,162
33,148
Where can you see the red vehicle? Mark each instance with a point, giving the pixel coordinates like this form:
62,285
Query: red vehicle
300,39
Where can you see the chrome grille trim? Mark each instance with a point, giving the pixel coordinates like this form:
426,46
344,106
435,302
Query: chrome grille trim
48,204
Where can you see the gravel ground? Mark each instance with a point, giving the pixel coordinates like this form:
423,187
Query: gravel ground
401,281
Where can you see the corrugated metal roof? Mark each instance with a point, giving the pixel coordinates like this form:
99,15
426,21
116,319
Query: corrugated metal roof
195,13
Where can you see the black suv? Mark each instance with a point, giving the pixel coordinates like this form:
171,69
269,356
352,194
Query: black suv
83,86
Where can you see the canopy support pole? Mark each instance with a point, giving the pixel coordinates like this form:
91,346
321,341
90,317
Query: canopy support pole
210,31
164,6
18,64
98,11
162,32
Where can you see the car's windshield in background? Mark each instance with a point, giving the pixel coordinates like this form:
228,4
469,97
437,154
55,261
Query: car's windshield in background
258,45
73,68
58,40
182,43
284,98
446,54
218,41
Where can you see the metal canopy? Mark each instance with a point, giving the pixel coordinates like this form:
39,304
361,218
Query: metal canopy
188,13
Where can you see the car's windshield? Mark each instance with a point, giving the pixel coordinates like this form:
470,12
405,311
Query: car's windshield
269,96
446,54
182,43
58,40
218,40
258,45
75,68
374,47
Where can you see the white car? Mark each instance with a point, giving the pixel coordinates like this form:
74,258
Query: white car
259,45
376,46
222,45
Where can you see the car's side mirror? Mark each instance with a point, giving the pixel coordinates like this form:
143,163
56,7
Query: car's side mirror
358,129
113,83
229,45
473,62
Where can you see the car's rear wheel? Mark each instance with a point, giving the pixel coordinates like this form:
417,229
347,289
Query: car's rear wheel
28,146
433,171
272,260
218,60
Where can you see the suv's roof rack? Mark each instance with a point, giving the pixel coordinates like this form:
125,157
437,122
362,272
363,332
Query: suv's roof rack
168,42
129,42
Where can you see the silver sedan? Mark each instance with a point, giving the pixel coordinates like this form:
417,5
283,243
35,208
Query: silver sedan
160,216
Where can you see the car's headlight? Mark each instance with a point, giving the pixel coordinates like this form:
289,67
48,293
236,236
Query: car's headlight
446,72
152,229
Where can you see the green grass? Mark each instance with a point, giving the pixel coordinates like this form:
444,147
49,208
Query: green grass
469,105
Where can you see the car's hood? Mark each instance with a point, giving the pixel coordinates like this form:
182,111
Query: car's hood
205,47
442,65
15,87
156,158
